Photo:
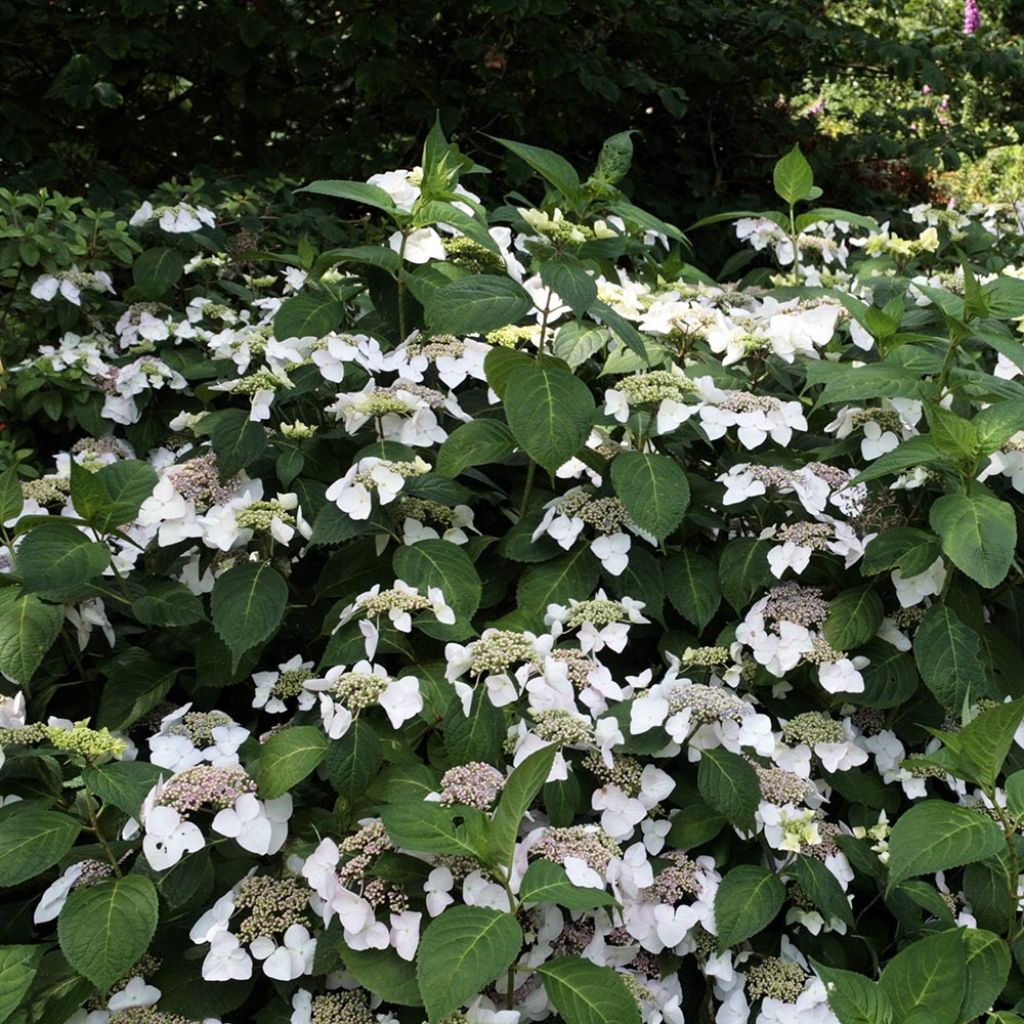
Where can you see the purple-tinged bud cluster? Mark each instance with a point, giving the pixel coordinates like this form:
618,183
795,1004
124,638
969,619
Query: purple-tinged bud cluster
206,786
806,606
475,784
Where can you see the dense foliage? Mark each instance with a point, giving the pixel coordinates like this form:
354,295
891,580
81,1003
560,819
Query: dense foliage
148,90
507,622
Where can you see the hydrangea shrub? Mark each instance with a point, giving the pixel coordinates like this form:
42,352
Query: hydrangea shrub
509,623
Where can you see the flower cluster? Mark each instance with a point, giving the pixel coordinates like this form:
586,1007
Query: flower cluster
507,611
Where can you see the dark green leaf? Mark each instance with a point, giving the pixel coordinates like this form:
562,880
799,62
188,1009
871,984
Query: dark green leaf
746,901
654,490
460,953
586,993
550,413
935,835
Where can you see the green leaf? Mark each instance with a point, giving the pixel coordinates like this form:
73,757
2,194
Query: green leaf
915,451
499,365
985,741
615,158
576,342
18,966
429,828
353,762
995,425
136,683
168,603
642,579
729,786
828,213
890,679
437,212
519,792
621,328
743,569
928,898
823,889
477,736
123,784
573,285
586,993
654,490
461,951
237,441
125,486
247,604
951,434
442,564
793,177
747,899
156,271
356,191
550,413
1014,787
948,656
641,218
57,992
11,498
573,574
477,305
978,533
553,168
288,757
423,283
384,973
853,618
906,547
309,315
31,841
854,999
694,825
58,556
987,960
370,255
474,444
1004,297
105,928
927,976
691,583
183,990
935,835
545,882
28,629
